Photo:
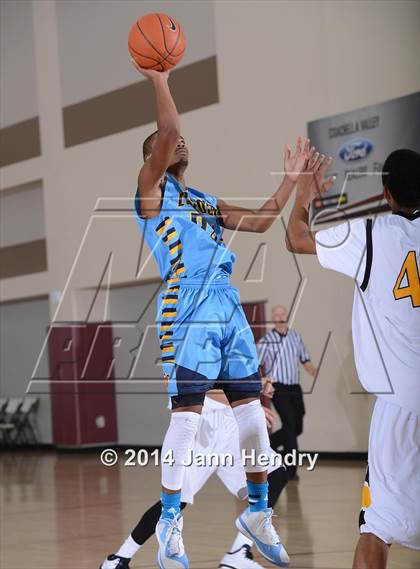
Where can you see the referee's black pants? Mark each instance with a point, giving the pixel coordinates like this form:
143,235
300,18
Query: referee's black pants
288,402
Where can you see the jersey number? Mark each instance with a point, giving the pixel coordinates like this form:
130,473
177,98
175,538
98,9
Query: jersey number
409,270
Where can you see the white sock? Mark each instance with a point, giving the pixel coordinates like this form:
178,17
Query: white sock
240,541
179,439
129,548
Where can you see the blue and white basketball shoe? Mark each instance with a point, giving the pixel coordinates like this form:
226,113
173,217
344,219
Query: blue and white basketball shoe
171,554
258,526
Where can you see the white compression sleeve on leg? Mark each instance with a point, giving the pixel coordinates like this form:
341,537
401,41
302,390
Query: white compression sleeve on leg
179,440
253,435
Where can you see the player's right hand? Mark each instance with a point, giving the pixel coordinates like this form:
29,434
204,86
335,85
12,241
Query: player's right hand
150,73
320,184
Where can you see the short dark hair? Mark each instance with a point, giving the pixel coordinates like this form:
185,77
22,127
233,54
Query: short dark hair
401,175
147,144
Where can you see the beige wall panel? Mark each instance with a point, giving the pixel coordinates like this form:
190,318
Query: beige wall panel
22,214
25,286
23,259
23,325
93,37
18,97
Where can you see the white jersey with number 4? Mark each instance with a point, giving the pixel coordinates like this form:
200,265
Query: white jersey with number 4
382,256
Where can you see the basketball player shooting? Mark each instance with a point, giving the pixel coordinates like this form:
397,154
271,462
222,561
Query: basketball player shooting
383,259
205,339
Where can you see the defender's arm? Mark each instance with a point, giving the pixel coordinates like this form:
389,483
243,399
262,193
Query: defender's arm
299,237
259,220
256,221
312,183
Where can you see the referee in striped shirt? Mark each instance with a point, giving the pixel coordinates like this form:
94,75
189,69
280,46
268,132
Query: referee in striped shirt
280,353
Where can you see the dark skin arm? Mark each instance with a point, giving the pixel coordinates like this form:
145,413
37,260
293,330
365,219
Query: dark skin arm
155,165
259,220
312,183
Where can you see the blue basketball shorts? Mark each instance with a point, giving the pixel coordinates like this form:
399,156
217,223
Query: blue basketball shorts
205,339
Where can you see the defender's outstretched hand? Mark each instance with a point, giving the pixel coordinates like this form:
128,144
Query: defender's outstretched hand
259,220
150,73
312,181
295,163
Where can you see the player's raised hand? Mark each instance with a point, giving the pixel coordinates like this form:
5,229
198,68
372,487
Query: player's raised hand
321,184
295,163
312,182
150,73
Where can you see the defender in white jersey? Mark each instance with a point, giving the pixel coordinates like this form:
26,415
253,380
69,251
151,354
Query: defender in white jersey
382,256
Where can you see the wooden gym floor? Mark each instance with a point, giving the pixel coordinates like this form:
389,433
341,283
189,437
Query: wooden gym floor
67,511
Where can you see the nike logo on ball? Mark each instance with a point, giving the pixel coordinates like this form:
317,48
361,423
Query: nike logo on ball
172,26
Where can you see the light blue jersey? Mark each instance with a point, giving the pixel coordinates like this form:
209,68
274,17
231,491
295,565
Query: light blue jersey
204,336
186,236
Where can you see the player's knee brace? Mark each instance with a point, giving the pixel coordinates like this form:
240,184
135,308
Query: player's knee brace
178,443
253,435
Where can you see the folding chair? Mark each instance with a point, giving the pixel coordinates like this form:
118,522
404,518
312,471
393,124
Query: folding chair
3,403
8,426
25,432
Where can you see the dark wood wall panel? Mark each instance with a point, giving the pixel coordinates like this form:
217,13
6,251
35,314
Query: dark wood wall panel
193,86
23,259
19,142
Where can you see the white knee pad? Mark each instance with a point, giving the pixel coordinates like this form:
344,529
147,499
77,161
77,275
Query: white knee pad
253,435
178,443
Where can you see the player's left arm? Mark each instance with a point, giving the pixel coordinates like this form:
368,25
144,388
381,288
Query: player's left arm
259,220
312,183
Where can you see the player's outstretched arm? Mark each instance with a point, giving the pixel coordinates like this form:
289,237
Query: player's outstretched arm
258,221
167,137
312,183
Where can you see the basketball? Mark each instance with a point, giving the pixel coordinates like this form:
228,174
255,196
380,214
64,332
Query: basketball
156,41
